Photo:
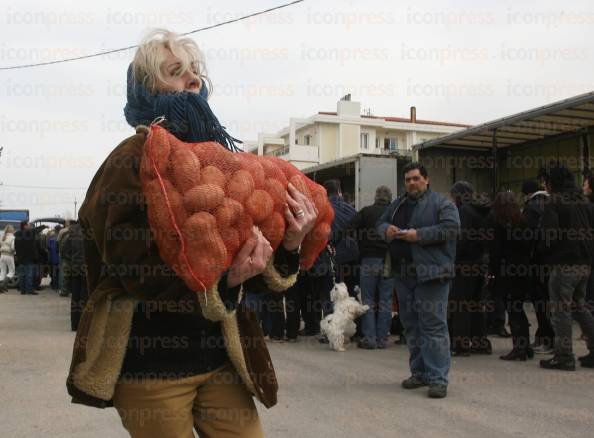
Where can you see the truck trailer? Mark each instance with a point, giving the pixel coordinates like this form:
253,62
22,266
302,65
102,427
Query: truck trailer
361,174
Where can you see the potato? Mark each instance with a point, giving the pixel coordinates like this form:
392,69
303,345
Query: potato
313,244
273,229
203,197
231,239
199,227
225,216
158,205
185,169
299,183
240,186
277,191
271,170
244,227
235,206
212,175
250,163
207,152
259,205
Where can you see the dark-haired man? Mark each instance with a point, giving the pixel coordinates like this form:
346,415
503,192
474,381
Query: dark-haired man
421,227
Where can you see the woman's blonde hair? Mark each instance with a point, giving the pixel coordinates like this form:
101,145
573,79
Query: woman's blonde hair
8,229
147,65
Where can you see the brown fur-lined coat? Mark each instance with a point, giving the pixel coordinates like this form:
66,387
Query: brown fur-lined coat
124,268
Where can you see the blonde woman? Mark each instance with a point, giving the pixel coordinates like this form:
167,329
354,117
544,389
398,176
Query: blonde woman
169,361
6,257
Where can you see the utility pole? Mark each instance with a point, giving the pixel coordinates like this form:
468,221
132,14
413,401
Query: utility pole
75,215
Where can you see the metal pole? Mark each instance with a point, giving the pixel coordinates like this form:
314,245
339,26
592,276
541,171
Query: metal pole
494,165
75,215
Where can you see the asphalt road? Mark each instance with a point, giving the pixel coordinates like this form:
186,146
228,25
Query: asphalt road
322,393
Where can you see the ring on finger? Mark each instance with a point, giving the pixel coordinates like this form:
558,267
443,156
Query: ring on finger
299,213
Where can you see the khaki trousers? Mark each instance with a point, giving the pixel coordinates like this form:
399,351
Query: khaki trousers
217,404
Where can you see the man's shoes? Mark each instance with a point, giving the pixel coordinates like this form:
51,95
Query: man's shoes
32,293
413,382
382,344
365,345
517,354
323,340
437,391
543,349
558,363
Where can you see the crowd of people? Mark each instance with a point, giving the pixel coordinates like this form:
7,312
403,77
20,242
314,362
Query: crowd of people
32,253
536,247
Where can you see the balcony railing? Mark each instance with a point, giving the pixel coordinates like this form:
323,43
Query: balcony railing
281,151
397,152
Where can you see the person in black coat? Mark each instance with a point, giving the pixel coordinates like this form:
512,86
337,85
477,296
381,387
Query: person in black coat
534,205
26,251
588,189
467,318
73,247
510,268
568,249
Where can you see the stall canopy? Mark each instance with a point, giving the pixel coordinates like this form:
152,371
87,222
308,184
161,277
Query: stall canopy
566,116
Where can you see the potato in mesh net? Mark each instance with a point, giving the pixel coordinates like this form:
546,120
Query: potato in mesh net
214,199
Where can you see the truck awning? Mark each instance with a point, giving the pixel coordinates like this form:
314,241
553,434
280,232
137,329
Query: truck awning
566,116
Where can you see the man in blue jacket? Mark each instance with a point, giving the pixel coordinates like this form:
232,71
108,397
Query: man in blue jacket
421,227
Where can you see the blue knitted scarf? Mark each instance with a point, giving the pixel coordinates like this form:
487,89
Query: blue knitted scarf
187,115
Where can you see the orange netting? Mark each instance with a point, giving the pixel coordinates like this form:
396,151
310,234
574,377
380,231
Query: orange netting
203,201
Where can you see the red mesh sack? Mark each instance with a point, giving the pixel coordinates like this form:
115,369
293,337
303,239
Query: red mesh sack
203,201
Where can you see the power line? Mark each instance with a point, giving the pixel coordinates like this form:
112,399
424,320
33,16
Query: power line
107,52
14,186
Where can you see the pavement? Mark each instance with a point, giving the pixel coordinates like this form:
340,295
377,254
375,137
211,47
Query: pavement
322,393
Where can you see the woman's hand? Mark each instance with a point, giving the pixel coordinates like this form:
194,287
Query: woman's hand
251,259
301,217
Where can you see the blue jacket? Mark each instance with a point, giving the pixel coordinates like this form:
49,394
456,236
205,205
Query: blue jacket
52,246
346,247
437,223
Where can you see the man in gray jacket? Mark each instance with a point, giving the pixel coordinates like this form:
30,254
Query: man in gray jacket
421,227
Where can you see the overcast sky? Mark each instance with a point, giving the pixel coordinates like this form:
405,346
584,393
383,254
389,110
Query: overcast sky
458,61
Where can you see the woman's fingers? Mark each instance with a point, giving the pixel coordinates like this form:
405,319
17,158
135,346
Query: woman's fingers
291,219
294,203
261,252
247,249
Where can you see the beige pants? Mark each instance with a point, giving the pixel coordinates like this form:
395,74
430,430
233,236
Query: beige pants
216,404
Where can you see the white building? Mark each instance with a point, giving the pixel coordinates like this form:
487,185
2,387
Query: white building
329,136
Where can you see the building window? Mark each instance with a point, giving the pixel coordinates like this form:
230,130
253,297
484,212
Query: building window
296,140
390,143
307,139
377,142
364,141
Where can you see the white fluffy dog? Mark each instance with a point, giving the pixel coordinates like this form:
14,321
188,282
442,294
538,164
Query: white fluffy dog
340,325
